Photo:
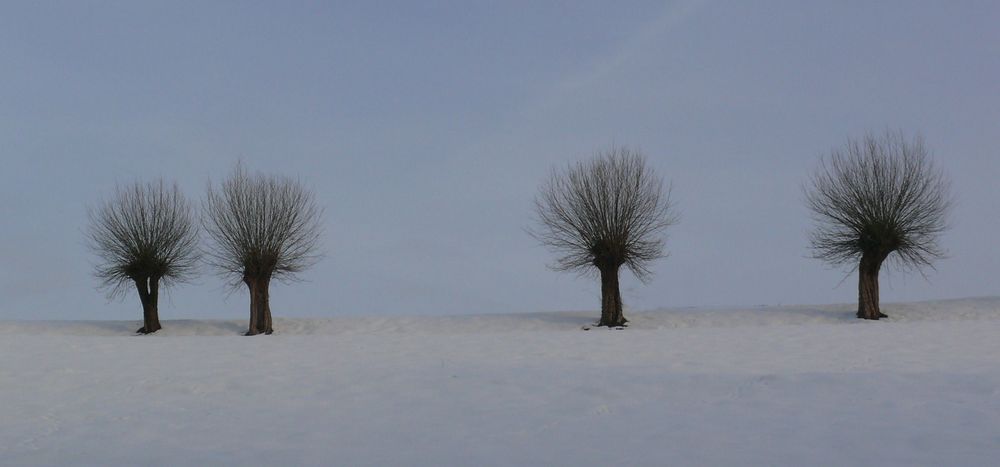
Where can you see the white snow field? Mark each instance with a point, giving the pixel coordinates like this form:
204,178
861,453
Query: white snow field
764,386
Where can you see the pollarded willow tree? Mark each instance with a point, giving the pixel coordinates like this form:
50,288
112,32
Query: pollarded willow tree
876,199
262,227
602,214
144,236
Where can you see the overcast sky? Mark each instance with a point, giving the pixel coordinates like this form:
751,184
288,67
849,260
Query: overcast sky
425,128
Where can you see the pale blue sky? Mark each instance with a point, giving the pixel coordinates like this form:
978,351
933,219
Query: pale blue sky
425,128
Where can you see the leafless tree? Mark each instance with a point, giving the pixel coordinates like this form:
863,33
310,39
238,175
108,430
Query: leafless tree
145,236
875,199
262,227
603,213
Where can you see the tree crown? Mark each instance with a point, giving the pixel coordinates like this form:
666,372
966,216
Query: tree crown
605,212
878,196
144,231
261,226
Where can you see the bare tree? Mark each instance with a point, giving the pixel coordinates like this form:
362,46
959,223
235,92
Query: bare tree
262,227
875,199
145,236
603,213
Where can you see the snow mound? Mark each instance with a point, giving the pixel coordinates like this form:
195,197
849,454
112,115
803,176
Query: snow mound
944,310
774,386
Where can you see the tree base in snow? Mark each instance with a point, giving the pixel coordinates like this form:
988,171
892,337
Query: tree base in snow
617,328
879,315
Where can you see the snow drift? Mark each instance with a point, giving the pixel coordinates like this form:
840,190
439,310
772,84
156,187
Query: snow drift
797,385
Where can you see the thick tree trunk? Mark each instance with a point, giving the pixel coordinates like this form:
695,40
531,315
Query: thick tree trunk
868,301
149,296
252,328
260,307
265,307
611,299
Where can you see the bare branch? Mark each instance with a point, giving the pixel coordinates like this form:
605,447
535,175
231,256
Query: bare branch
606,212
261,226
146,231
878,196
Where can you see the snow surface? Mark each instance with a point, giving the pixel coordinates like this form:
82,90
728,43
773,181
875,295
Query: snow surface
797,385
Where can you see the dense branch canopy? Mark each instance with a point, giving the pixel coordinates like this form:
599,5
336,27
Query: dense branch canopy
145,231
878,196
607,211
261,226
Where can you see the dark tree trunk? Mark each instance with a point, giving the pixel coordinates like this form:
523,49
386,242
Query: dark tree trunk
265,307
260,307
252,328
148,289
611,299
868,301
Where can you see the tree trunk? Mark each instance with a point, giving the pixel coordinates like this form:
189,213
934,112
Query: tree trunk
260,307
868,301
252,328
265,307
149,296
611,299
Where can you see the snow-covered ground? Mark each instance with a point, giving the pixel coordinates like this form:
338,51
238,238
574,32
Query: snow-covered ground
800,385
